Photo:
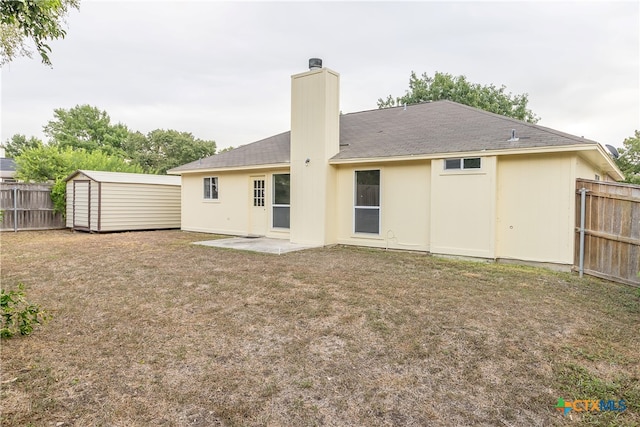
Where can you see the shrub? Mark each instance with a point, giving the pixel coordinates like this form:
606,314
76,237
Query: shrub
18,314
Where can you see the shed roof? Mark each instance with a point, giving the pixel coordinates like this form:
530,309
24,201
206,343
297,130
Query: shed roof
430,128
127,178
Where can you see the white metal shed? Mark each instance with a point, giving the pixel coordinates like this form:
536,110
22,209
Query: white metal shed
115,201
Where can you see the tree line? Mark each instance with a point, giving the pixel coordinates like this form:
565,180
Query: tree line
83,137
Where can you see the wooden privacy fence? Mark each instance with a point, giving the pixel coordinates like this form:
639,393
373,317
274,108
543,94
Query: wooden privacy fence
611,230
28,207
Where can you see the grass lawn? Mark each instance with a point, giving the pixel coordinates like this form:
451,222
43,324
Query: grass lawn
147,329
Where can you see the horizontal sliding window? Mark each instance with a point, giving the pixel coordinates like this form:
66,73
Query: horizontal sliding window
462,163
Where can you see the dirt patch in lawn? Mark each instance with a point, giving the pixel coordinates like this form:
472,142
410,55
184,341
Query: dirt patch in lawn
148,329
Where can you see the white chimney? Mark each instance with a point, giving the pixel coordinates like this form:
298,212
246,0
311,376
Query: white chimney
315,138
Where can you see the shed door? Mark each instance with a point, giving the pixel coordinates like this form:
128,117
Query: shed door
258,217
81,204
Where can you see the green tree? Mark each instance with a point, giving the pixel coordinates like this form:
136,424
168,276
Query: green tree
161,150
86,127
19,143
458,89
41,164
39,21
53,164
629,160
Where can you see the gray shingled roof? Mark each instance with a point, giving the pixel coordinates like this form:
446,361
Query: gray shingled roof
441,127
268,151
7,164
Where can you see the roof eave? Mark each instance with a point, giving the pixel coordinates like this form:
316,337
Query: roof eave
607,164
72,174
497,152
230,168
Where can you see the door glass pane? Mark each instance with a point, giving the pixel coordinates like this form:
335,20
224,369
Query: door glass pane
258,192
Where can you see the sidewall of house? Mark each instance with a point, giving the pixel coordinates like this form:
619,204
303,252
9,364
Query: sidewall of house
231,213
463,210
536,207
404,206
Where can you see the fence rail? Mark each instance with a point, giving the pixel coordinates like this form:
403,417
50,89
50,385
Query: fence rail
28,207
612,230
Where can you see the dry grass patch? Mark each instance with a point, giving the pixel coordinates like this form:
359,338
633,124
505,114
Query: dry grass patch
148,329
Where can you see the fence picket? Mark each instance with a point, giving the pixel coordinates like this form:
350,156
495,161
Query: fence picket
612,230
28,207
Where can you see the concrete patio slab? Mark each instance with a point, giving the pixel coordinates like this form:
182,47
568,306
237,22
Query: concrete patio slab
257,244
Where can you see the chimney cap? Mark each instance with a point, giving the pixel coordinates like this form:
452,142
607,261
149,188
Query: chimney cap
315,63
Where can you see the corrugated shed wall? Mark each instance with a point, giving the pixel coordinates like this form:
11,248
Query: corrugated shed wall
95,205
69,214
139,207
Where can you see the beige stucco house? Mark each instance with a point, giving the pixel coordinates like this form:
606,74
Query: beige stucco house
439,177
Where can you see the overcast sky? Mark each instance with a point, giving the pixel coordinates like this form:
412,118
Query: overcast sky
221,70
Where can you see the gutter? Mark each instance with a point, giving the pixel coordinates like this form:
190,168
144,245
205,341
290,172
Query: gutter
484,153
230,168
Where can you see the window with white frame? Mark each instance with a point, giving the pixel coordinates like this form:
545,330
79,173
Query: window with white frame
462,163
281,200
367,202
211,188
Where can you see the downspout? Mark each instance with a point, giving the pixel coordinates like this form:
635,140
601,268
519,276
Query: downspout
583,203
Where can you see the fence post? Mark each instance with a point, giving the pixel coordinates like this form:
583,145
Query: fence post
15,209
583,205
